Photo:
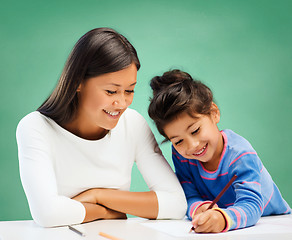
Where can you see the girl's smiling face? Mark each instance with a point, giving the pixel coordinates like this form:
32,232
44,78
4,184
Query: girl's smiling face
197,137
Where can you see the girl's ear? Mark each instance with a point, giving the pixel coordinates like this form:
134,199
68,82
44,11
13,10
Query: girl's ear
215,113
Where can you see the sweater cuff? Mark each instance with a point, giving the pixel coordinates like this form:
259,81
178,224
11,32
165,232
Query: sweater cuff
228,220
194,207
174,201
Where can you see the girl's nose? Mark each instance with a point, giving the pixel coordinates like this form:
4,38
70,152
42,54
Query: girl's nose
192,145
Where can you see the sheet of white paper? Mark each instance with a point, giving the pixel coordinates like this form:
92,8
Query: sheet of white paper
267,225
172,227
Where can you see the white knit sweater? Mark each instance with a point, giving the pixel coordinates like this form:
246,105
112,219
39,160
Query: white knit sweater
56,165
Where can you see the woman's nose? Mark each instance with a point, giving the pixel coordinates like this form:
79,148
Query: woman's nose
120,102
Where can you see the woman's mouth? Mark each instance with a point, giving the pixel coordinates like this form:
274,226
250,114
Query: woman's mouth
113,114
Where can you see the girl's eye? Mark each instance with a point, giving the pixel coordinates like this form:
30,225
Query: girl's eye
111,92
178,142
194,132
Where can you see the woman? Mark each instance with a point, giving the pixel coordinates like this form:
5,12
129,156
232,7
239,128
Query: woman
77,150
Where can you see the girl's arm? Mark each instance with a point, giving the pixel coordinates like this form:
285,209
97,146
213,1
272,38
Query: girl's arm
249,202
248,205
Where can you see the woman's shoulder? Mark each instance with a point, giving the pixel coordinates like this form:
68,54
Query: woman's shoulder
132,113
132,123
33,120
132,116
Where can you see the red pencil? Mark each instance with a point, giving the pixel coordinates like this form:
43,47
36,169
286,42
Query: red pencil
219,195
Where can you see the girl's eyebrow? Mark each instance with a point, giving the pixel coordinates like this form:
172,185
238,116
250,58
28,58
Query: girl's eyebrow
186,129
173,137
191,125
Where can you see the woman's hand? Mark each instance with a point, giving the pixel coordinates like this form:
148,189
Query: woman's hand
88,196
95,211
95,196
111,214
210,221
141,204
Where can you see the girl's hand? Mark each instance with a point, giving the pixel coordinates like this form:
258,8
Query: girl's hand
210,221
204,208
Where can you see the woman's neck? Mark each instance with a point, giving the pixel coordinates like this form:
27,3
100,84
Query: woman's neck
85,131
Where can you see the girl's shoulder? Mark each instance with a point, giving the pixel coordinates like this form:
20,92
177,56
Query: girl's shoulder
238,148
236,142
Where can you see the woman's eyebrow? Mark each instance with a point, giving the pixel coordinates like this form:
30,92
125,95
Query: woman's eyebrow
118,85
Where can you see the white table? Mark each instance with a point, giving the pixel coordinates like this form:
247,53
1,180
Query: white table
276,227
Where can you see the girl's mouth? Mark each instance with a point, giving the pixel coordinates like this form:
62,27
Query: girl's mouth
201,152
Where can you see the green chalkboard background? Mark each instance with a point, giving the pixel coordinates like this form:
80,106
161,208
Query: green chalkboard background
241,49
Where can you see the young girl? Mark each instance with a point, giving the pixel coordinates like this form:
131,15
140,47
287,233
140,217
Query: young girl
205,158
76,152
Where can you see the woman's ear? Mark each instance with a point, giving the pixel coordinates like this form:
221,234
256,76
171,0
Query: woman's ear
79,88
215,113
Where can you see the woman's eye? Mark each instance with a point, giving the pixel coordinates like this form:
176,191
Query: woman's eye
111,92
129,91
178,142
194,132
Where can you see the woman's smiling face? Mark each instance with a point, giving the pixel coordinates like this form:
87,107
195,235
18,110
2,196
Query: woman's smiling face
103,99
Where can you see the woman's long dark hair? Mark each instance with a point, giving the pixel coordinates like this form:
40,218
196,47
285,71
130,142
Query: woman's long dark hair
99,51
